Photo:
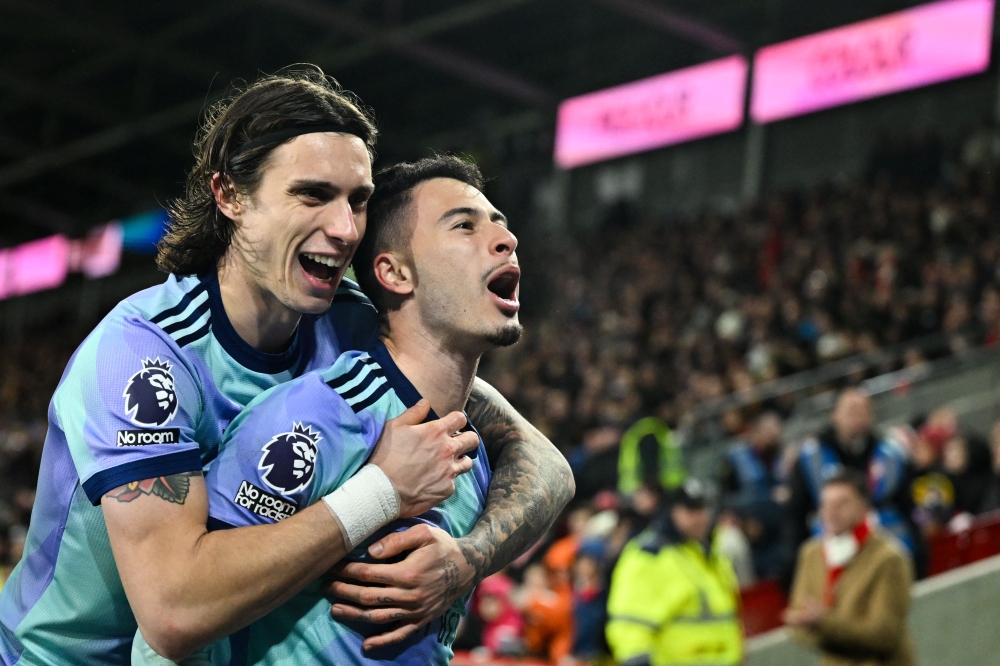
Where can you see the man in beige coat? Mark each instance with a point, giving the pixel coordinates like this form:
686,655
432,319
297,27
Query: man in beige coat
852,585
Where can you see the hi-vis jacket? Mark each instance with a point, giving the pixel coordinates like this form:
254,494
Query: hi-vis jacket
670,604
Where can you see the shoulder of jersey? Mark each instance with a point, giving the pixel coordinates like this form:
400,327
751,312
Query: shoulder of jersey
181,308
178,306
350,292
358,379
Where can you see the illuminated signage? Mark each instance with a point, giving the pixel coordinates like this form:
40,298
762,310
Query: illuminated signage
45,263
908,49
659,111
34,266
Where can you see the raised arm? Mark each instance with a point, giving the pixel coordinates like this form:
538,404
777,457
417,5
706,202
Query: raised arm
532,483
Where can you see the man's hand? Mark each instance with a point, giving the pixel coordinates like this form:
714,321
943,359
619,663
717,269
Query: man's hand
417,590
806,616
423,459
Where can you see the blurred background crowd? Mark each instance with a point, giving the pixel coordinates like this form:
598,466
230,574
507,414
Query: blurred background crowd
637,322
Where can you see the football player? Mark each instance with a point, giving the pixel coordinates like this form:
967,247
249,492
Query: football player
256,251
440,262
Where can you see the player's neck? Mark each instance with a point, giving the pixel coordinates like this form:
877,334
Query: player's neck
261,320
443,376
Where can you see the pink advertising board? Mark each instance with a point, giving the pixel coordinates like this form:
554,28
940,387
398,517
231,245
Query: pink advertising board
34,266
651,113
908,49
45,263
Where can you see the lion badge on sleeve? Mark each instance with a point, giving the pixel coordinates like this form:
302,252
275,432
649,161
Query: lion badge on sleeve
289,459
150,397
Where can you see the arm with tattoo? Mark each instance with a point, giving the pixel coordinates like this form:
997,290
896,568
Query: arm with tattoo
187,586
173,488
532,482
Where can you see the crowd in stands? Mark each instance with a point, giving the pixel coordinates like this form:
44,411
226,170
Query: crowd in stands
649,316
29,371
654,316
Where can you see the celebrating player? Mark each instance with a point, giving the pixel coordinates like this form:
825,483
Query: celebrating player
439,260
275,207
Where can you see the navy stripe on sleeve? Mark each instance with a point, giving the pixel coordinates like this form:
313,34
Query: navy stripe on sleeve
372,399
337,382
179,308
137,470
214,524
374,376
187,321
197,335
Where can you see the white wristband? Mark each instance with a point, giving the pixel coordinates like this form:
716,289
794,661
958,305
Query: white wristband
366,502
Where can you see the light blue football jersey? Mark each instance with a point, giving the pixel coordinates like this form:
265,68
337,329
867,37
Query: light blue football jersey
147,394
296,443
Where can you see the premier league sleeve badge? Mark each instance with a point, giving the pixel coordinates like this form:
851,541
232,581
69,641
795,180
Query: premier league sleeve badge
150,396
289,459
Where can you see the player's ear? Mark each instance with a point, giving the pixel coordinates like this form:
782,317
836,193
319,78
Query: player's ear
393,274
224,193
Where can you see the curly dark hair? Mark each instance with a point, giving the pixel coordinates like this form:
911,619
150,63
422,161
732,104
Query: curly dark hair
198,233
387,228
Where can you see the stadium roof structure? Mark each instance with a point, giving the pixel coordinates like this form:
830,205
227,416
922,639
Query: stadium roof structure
99,100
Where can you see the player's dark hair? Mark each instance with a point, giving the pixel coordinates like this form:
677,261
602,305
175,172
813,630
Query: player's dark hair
850,477
198,233
389,226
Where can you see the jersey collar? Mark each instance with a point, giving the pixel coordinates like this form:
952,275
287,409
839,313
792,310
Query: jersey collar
407,392
237,347
403,387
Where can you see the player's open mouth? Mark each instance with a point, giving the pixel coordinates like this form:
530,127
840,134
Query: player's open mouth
320,266
503,287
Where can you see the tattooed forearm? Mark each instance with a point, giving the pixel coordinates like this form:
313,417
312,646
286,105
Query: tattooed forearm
532,482
173,488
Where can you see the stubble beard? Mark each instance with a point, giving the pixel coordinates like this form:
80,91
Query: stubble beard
506,335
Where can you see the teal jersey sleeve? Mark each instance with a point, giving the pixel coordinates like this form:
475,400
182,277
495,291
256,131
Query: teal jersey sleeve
291,446
128,405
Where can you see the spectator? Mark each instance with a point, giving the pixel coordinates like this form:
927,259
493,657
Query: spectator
548,615
850,443
751,470
852,585
673,597
753,480
501,623
966,461
562,552
932,489
590,599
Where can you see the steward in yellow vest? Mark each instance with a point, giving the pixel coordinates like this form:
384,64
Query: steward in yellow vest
674,598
